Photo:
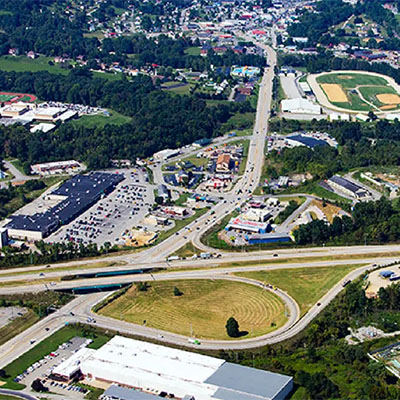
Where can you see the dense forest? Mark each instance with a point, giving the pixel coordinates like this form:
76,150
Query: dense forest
360,145
159,120
371,222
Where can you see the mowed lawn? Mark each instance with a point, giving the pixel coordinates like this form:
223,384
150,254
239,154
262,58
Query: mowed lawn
25,64
352,80
202,310
305,285
94,121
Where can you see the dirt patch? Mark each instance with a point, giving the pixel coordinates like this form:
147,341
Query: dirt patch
334,92
388,98
388,107
329,210
137,238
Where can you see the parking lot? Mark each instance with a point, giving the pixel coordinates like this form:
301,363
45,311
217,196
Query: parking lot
44,367
122,209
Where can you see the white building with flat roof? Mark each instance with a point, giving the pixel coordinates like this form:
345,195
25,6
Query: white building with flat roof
300,106
155,369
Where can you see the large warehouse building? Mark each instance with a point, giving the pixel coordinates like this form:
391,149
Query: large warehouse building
75,196
157,369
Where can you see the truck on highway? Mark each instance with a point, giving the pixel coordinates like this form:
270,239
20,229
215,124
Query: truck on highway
194,341
205,256
173,258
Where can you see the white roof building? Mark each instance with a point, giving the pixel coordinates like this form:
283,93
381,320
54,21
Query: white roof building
300,106
154,369
72,365
165,154
43,127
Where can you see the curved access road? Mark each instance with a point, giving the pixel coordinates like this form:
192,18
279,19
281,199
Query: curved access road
19,394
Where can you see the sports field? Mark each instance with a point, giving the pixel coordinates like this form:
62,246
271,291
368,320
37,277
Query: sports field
305,285
202,310
7,97
359,91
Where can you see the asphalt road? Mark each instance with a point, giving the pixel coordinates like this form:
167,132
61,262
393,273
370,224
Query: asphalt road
18,394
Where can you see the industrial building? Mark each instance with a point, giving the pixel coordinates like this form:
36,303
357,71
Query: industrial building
300,106
347,187
57,167
158,370
241,224
75,196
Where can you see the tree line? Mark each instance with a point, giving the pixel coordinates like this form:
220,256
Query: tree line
159,119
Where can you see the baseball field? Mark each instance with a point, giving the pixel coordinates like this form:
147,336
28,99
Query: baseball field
358,91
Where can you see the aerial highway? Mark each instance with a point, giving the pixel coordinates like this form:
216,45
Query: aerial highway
36,278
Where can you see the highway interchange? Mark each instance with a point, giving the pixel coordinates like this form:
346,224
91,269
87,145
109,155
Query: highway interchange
80,309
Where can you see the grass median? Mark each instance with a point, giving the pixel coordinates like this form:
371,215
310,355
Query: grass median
305,285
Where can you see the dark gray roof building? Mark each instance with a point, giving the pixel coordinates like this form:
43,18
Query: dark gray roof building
79,193
237,382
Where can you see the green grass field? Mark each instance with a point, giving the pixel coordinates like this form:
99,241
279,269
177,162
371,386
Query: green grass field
23,64
355,103
352,80
6,97
193,51
4,397
187,250
370,93
305,285
94,121
203,308
181,90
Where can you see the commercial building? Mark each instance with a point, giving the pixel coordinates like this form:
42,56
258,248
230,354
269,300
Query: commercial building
268,238
241,224
256,214
166,154
75,196
162,191
57,167
3,237
160,370
300,106
175,211
347,187
223,163
71,368
307,141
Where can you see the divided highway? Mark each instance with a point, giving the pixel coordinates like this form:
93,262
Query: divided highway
79,310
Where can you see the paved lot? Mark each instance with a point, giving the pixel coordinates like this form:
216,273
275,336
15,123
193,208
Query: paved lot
42,369
122,209
289,86
7,314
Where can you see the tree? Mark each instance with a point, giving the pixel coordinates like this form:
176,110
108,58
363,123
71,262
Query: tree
232,327
38,386
177,292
